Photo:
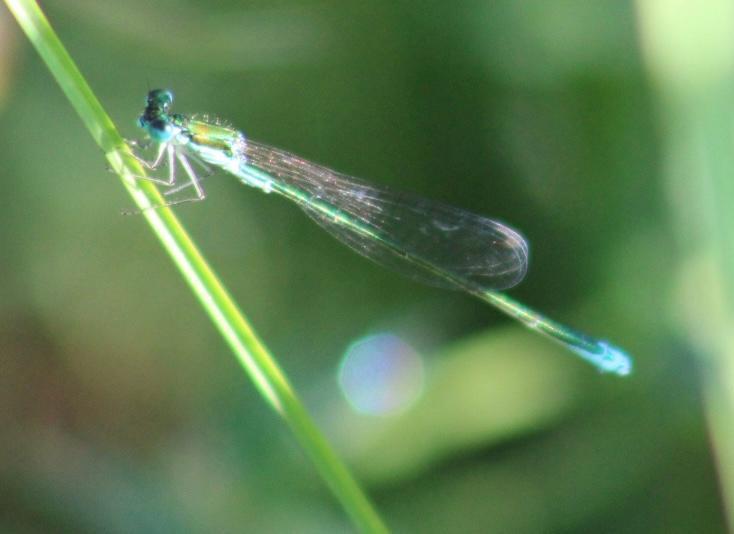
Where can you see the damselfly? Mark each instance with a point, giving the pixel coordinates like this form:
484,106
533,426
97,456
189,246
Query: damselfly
431,242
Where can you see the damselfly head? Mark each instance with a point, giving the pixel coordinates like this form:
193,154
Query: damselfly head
160,99
155,119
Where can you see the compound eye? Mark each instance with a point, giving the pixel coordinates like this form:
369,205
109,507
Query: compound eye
160,98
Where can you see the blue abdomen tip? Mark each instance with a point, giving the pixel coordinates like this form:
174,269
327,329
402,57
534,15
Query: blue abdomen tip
609,359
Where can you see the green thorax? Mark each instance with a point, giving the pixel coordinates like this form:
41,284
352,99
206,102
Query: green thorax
213,136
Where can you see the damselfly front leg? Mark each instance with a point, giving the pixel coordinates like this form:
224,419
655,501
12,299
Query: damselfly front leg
172,155
164,149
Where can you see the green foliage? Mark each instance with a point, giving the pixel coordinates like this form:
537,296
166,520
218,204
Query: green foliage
122,410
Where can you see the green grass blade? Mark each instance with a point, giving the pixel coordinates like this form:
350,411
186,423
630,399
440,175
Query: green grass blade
237,332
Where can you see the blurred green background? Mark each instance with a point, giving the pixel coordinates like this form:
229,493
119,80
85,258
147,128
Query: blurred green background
123,411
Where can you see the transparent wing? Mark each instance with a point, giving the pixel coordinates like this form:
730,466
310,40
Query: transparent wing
428,241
